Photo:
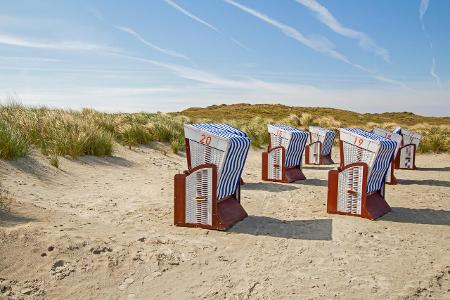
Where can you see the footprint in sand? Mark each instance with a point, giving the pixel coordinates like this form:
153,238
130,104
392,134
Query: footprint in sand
126,283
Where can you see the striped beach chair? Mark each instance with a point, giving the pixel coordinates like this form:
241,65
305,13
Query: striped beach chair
207,195
357,187
318,152
406,157
397,138
283,160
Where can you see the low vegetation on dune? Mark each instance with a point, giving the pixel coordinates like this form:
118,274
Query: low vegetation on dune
278,112
71,133
253,119
57,132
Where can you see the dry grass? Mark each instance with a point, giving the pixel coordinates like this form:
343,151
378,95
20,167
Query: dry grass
13,143
89,132
435,139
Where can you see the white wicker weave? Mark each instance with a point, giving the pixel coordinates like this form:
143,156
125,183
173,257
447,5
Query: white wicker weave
275,164
199,197
350,190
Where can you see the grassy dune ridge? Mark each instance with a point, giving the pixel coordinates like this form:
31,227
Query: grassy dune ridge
57,132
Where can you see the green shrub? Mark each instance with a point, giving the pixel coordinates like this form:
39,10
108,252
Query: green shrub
435,139
306,120
97,143
176,146
135,134
12,143
256,130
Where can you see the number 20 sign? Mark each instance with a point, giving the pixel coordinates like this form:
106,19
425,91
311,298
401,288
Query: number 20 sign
205,140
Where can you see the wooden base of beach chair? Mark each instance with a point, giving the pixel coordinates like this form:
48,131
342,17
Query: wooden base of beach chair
375,206
350,197
276,171
229,212
196,203
294,174
327,160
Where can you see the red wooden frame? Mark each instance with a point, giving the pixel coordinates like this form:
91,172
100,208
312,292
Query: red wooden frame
373,205
225,212
288,175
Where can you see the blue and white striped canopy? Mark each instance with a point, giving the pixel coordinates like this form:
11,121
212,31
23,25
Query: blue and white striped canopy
383,158
327,143
225,128
409,137
296,145
233,162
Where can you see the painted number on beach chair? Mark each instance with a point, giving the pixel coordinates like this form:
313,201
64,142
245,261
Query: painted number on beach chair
205,140
358,141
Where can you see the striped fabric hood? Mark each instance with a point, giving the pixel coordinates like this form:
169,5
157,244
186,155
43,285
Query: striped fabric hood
292,139
326,136
381,154
223,145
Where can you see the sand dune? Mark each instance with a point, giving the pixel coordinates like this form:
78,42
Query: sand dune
102,228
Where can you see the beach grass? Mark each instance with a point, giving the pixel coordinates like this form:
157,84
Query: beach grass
57,132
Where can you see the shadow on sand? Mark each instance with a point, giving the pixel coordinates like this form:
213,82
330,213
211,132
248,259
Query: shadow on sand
9,219
267,186
326,168
319,229
30,165
105,161
444,169
312,182
430,182
418,216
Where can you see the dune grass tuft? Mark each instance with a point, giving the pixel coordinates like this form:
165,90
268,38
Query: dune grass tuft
12,143
435,140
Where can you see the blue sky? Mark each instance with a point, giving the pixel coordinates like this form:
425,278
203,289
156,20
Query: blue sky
166,55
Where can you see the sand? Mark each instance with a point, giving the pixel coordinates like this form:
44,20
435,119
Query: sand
102,228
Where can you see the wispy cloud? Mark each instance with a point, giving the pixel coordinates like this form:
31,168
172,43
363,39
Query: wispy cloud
433,71
96,13
17,41
325,16
320,44
240,44
423,8
152,46
28,59
203,22
190,15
